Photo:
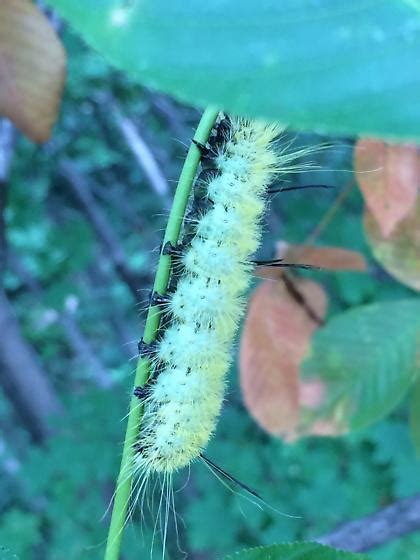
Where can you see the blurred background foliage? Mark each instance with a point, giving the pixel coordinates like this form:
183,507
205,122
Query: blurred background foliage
78,275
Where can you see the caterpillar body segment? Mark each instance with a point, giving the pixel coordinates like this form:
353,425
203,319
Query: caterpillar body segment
213,270
210,301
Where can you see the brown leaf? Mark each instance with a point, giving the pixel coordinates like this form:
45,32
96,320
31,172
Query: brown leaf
32,69
274,341
389,178
398,253
330,258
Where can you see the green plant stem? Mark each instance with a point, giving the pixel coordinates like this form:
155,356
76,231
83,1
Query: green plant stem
173,228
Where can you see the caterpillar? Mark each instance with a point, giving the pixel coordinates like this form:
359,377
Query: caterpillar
211,271
183,400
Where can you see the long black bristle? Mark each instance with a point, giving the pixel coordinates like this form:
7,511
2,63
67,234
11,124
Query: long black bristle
286,189
229,477
277,263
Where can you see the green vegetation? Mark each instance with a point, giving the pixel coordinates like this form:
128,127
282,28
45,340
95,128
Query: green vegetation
83,224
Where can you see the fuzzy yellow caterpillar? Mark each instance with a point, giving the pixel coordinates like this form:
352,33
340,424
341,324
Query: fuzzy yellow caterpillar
184,397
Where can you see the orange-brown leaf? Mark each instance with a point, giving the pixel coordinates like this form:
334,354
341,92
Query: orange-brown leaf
389,178
275,340
32,69
330,258
398,253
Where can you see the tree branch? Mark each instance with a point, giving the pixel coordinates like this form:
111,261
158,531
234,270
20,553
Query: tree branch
394,521
142,153
22,379
106,234
25,384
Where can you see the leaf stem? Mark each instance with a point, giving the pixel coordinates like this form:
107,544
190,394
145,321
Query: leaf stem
173,228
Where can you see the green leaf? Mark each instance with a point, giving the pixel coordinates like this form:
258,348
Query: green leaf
295,551
337,67
367,358
6,554
20,532
414,418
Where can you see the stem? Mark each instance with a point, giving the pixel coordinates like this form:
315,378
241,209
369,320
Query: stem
173,228
329,214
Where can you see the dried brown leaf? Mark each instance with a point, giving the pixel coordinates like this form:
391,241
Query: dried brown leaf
275,340
398,253
330,258
32,69
389,178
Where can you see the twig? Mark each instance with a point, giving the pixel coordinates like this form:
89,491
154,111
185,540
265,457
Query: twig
311,238
142,153
301,299
22,379
106,234
329,214
394,521
173,228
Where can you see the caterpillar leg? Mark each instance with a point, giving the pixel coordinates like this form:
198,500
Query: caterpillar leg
146,350
173,250
141,392
158,299
205,149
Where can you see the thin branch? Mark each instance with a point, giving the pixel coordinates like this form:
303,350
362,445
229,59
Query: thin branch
141,152
329,214
24,382
301,299
374,530
104,231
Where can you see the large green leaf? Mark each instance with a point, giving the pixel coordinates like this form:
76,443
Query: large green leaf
414,418
295,551
338,67
367,358
6,554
